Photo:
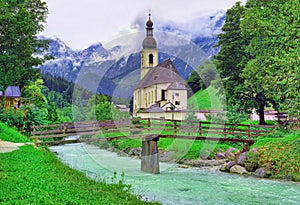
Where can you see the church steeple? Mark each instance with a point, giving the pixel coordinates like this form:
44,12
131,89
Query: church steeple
149,27
149,42
149,53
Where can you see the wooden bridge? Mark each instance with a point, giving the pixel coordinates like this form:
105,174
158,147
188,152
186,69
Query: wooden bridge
149,130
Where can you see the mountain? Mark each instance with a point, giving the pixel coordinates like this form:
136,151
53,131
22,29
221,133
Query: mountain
113,69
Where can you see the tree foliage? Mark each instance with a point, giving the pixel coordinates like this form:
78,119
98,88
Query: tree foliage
274,67
20,49
33,95
232,52
201,78
259,56
58,85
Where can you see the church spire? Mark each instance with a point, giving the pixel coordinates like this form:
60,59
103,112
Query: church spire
149,41
149,54
149,25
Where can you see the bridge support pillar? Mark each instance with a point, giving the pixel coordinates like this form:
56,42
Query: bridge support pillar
150,158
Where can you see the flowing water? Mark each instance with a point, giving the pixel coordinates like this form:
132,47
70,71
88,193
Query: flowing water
175,185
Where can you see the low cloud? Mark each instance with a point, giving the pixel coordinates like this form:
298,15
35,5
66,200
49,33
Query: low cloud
204,26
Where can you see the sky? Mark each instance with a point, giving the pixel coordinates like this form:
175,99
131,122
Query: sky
81,23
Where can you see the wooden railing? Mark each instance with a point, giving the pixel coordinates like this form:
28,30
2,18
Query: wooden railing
138,128
83,129
202,130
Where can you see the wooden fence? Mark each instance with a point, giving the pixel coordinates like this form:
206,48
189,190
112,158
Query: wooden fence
138,128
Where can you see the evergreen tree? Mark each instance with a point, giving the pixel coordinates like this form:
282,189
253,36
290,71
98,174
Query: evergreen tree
232,52
202,77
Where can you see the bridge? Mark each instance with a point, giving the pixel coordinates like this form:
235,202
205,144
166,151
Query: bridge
150,130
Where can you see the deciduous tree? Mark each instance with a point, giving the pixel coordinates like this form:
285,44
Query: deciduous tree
20,48
274,68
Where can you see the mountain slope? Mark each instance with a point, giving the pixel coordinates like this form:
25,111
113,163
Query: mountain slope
113,69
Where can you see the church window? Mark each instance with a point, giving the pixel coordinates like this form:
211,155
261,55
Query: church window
152,96
163,94
151,59
177,102
176,94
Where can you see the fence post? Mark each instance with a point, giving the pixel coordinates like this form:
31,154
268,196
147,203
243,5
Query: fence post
200,129
175,128
224,131
149,125
34,131
249,132
64,131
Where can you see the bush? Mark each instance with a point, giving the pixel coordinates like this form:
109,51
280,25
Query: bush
280,156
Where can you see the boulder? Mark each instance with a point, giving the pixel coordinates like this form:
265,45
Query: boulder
238,169
226,167
220,155
203,163
229,154
135,152
231,149
184,166
261,173
241,158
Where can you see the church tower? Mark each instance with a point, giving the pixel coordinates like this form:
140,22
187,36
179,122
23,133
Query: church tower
149,54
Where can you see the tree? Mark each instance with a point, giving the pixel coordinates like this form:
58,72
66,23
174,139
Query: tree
33,94
273,27
20,49
229,61
201,78
52,114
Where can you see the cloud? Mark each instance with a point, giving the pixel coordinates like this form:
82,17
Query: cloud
205,26
81,23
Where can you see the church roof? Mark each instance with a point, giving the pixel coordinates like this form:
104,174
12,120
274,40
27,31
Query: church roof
154,108
164,72
149,42
177,86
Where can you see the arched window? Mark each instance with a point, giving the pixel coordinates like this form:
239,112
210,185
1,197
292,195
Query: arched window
151,59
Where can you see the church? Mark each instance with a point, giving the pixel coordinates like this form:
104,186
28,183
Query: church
161,92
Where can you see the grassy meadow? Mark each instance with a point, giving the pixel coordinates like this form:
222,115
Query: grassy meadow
36,176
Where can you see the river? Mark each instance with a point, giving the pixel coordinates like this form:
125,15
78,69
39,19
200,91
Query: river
175,185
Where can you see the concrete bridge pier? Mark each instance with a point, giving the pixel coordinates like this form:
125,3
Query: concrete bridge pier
150,158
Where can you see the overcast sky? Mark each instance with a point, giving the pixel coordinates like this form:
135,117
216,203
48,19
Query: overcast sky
81,23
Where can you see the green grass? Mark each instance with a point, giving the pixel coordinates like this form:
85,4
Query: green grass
205,100
11,135
181,148
36,176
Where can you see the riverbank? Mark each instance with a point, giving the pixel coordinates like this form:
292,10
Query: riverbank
275,156
177,185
